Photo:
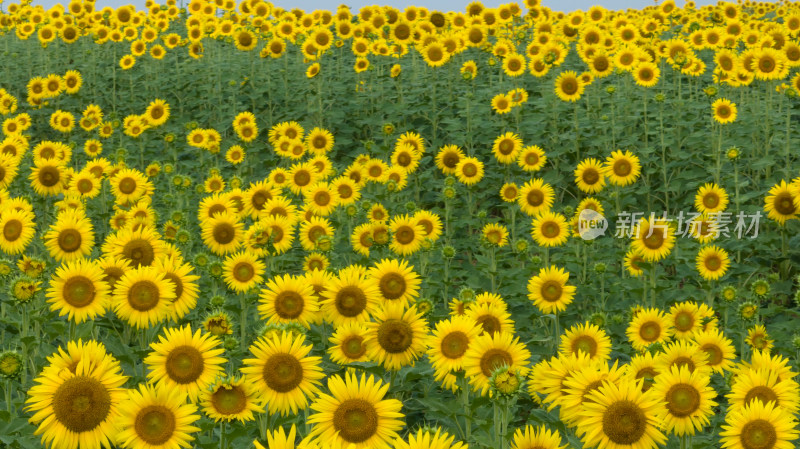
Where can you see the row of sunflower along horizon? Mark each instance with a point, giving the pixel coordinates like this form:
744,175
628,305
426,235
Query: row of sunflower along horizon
746,41
146,281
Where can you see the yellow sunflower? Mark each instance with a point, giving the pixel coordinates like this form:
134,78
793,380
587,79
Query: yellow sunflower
621,415
142,297
724,111
288,299
568,87
430,222
758,425
222,233
647,327
350,297
78,290
710,198
449,341
654,239
355,414
548,290
396,337
590,176
229,399
782,203
185,362
758,338
78,408
469,170
719,350
712,262
506,147
396,280
242,271
550,229
535,196
428,439
622,168
178,273
71,237
587,338
347,344
283,373
316,233
688,399
407,235
18,230
448,158
536,437
156,416
486,353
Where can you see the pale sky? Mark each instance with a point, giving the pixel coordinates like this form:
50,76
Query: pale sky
441,5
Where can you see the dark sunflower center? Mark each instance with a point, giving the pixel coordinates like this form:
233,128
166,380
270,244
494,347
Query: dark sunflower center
622,168
535,198
143,296
84,186
404,235
684,361
302,178
289,304
450,160
155,424
229,401
761,393
586,344
127,185
713,262
353,347
392,285
655,240
784,204
469,170
322,198
723,111
648,374
12,230
224,233
506,147
551,229
404,159
176,282
646,74
650,331
591,176
624,422
258,199
766,64
69,240
758,434
489,323
454,345
139,252
551,291
531,159
184,364
283,372
243,271
684,321
81,403
79,291
395,336
682,400
494,358
356,420
569,86
49,176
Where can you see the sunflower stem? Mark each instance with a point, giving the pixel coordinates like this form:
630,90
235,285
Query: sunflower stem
465,402
653,286
718,169
222,434
243,319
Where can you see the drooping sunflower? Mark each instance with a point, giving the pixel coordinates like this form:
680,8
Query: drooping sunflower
568,87
350,297
622,168
469,170
647,327
548,290
348,344
184,361
283,373
487,353
506,147
758,425
782,203
535,196
397,336
587,338
590,176
229,399
712,262
156,417
288,299
654,239
550,229
77,290
142,297
78,408
71,237
18,230
396,280
355,414
710,198
688,399
407,235
243,271
621,416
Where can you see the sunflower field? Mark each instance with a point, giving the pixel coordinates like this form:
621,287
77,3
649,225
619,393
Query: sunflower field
231,225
